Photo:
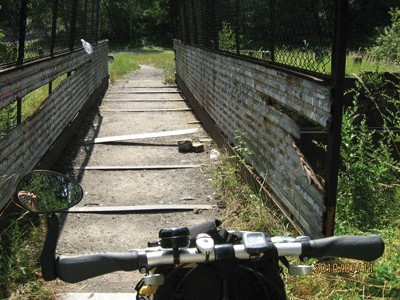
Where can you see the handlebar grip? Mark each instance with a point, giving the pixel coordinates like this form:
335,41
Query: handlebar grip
367,248
74,269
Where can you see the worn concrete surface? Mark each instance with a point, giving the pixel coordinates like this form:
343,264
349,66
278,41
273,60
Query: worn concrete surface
87,233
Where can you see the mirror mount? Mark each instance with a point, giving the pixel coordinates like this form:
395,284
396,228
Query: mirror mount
47,257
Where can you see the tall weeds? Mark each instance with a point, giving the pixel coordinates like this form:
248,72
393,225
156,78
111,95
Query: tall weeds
20,275
368,196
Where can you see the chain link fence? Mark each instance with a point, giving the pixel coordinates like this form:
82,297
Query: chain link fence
295,33
30,29
35,29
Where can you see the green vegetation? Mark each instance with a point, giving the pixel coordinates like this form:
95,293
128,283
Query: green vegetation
30,104
368,197
226,37
387,45
380,58
245,209
8,119
358,63
369,178
7,52
125,63
32,101
137,22
122,65
20,275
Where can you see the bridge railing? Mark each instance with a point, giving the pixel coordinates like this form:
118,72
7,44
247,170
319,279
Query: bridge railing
46,78
272,70
24,146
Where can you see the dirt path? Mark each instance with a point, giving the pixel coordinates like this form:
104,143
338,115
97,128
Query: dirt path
86,233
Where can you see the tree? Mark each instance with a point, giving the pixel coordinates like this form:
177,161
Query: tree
137,22
364,16
388,43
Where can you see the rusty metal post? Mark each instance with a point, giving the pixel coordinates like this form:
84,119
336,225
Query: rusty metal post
84,25
73,28
21,49
272,30
186,23
214,24
335,126
194,23
22,31
97,24
237,7
54,27
92,27
53,36
73,25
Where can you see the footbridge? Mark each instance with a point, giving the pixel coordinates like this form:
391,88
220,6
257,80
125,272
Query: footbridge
276,82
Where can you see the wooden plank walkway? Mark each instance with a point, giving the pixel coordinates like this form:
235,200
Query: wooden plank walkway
134,178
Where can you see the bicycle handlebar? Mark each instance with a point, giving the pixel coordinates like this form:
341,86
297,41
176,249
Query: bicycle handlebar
367,248
73,269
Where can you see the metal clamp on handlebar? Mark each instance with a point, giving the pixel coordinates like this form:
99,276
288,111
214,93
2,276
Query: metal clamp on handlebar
205,244
142,263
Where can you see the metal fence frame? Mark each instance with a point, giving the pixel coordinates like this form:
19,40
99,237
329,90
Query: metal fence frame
201,22
80,21
190,18
79,17
42,54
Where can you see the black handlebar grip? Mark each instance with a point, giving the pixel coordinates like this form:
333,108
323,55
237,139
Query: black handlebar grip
73,269
367,248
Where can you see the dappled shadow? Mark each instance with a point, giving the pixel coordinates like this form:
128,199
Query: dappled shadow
77,147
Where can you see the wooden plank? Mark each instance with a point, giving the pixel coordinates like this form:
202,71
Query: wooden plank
147,110
143,100
144,92
139,208
144,136
154,167
97,296
150,87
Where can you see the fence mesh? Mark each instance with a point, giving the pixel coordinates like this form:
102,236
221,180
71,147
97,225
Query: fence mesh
296,33
35,29
51,27
9,30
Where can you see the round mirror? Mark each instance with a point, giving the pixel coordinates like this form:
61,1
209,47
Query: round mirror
46,191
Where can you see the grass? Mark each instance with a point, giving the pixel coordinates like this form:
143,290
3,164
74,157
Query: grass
32,101
20,276
127,62
30,104
357,63
246,210
382,283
